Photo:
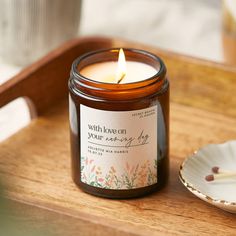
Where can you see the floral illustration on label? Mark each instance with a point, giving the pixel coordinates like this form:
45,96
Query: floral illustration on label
118,148
134,176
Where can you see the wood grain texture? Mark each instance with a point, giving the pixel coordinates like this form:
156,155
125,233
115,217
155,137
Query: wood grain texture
39,174
35,163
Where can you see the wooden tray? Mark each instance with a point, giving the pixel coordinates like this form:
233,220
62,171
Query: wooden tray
35,162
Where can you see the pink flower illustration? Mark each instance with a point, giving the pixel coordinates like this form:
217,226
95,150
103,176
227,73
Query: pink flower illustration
100,179
132,176
127,166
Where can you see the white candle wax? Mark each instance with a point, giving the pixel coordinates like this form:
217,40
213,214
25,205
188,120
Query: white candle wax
106,72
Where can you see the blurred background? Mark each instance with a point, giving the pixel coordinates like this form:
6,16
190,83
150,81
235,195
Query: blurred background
184,26
29,29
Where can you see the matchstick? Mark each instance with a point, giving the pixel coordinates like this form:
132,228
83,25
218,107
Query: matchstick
213,177
218,170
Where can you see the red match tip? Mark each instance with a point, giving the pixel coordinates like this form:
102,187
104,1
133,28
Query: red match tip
209,178
215,169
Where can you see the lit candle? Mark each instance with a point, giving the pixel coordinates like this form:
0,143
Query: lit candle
119,122
119,72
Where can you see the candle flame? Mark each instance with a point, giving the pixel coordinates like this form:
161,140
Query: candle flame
121,68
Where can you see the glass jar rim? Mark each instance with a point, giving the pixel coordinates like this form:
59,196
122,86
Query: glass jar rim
158,76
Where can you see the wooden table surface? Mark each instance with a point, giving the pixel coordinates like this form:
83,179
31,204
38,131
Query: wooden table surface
35,162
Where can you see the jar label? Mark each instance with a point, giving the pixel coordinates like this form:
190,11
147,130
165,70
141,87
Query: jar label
118,148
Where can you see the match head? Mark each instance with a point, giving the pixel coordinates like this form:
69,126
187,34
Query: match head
215,169
209,178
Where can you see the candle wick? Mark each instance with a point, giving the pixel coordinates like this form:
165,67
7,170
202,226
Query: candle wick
121,78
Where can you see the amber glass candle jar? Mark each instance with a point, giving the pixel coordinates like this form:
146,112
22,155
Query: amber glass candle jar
119,131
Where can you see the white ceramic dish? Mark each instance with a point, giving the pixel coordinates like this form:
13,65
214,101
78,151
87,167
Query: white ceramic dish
220,193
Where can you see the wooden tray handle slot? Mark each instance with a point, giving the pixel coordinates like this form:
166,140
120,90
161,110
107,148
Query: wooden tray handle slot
44,83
